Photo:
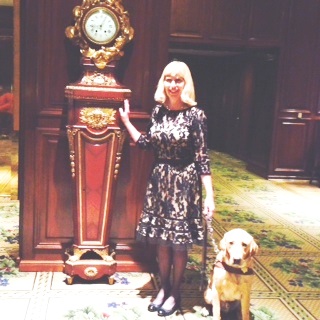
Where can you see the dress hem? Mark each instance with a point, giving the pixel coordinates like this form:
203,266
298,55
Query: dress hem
167,243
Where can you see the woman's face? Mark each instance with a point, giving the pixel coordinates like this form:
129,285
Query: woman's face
173,86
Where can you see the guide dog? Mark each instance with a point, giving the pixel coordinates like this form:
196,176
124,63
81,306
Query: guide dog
230,282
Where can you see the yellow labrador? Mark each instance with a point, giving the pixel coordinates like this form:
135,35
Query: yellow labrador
232,276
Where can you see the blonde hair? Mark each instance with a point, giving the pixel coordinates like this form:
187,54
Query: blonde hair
177,68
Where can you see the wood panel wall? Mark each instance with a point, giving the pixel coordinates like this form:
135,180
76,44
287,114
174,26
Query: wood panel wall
263,104
48,63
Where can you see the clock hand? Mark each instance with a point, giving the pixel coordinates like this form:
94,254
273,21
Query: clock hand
102,23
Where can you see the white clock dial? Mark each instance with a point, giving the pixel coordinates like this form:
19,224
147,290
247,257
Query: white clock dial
101,26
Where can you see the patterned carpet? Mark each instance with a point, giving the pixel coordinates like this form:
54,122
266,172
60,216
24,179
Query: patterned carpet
283,218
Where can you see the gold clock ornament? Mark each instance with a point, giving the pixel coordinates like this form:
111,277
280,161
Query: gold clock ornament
102,28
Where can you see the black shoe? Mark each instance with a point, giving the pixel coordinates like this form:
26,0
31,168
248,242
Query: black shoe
154,307
166,313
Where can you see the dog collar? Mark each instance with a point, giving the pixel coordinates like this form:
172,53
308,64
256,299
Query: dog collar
242,271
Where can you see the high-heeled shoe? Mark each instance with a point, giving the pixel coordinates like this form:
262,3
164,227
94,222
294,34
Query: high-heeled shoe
154,307
166,313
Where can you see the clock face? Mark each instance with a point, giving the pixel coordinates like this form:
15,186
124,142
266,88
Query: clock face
100,25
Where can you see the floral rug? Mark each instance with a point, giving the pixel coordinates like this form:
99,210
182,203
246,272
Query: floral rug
282,217
9,239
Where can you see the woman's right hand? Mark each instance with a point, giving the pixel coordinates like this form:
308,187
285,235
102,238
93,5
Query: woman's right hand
124,112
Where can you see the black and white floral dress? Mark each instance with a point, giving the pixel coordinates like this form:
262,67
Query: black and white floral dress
172,209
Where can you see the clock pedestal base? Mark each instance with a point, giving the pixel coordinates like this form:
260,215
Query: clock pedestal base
96,137
90,264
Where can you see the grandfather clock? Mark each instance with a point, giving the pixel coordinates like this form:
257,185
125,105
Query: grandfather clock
95,135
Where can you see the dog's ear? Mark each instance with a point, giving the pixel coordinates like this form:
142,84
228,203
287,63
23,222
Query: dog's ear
253,248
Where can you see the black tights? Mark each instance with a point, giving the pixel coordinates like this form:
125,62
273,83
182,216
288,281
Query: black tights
175,261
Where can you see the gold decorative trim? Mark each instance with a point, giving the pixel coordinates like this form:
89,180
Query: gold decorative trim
75,254
121,136
91,272
98,79
97,118
71,132
99,89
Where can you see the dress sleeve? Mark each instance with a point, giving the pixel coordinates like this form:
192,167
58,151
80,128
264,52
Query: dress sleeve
144,141
199,134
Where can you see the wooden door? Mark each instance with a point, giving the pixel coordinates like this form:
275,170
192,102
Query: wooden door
293,142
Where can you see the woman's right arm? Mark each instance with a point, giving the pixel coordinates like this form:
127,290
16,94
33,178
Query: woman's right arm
124,114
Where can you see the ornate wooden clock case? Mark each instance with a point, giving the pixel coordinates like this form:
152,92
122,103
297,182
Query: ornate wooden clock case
95,134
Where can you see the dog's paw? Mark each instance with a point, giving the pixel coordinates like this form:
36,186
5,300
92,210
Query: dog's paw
208,296
204,312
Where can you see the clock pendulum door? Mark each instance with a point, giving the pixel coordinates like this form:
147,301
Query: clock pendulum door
95,135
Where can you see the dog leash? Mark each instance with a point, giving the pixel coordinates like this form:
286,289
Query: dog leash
207,234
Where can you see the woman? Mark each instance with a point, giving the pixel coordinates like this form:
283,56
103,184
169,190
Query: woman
172,210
